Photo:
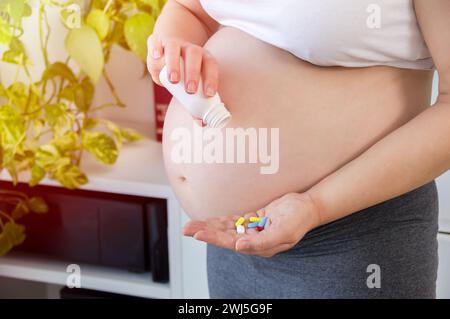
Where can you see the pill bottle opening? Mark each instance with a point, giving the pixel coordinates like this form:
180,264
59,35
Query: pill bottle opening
217,116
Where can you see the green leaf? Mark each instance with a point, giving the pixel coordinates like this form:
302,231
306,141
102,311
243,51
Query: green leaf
84,46
18,95
47,156
16,9
99,21
70,176
59,69
115,130
13,235
137,29
27,10
37,174
6,33
66,142
117,35
12,128
71,16
101,146
130,135
20,210
99,4
83,95
37,205
59,118
89,122
16,53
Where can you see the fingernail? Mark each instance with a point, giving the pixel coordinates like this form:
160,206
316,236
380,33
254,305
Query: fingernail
210,91
173,76
191,87
156,54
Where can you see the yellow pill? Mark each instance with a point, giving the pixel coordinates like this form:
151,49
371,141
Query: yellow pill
255,219
240,221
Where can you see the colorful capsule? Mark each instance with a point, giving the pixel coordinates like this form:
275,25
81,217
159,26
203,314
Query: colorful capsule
255,219
240,221
259,228
262,222
240,229
253,225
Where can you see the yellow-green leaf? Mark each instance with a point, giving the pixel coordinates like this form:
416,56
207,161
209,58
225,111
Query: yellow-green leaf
37,205
20,210
12,128
101,146
137,29
37,174
15,8
59,118
71,15
16,53
84,46
99,21
115,130
130,135
18,95
59,69
70,176
5,245
6,33
47,156
66,142
13,233
84,93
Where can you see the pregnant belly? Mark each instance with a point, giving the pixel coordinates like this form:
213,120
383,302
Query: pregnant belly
325,117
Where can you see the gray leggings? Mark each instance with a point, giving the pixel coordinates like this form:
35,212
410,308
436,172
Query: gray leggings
385,251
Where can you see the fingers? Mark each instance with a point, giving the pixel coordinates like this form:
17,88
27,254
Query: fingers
155,62
193,64
210,75
198,64
219,238
172,51
193,227
271,239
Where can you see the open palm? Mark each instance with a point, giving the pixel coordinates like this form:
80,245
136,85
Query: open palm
289,219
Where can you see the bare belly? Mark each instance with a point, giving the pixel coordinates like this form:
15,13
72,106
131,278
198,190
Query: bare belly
325,116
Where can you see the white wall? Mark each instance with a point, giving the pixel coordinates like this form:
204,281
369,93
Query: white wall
443,182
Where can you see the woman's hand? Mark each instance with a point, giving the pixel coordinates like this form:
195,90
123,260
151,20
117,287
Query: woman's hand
198,63
289,218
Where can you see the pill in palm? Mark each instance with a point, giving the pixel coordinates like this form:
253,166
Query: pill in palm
240,221
240,229
255,219
262,222
253,225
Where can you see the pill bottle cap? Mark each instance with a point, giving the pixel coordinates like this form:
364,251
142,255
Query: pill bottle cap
217,116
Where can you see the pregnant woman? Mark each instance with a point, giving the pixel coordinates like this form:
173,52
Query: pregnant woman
353,206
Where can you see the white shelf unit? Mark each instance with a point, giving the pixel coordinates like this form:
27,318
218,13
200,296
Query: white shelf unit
139,171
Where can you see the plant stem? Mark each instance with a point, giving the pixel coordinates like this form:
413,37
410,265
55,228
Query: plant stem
41,34
13,193
113,89
108,4
2,213
103,106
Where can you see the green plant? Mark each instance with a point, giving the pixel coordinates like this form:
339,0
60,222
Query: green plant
46,125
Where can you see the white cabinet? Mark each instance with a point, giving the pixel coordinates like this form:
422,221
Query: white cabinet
443,283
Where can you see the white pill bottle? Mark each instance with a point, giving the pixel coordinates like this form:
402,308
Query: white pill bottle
210,109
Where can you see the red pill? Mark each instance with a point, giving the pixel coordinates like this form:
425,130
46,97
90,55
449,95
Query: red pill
258,228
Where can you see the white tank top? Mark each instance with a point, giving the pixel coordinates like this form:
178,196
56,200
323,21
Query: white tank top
349,33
